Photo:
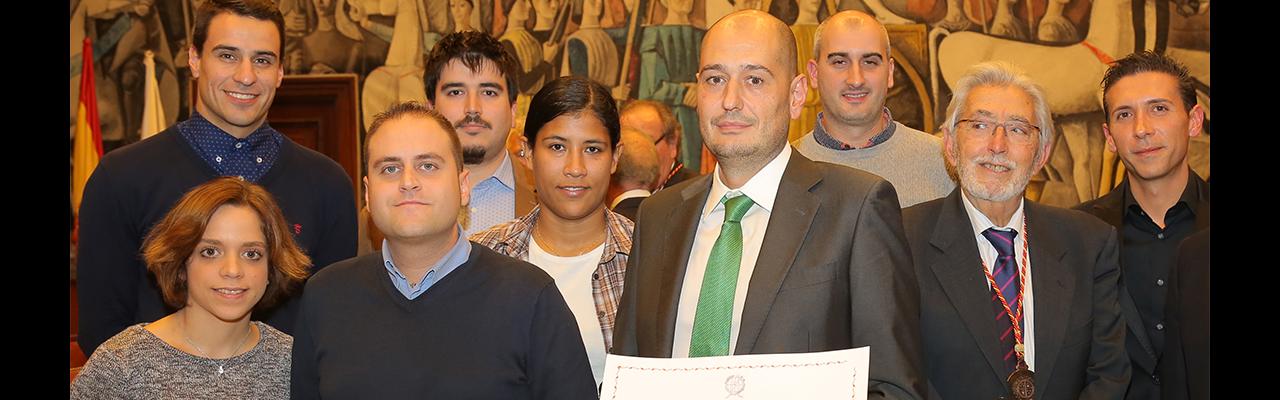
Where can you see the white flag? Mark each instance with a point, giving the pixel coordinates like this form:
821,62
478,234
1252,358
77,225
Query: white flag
152,110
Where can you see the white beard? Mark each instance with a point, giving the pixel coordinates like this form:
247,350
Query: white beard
1012,188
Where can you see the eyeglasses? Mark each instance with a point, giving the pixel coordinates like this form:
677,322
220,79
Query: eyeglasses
1017,131
662,138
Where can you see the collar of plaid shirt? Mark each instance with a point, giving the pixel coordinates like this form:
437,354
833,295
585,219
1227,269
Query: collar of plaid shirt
512,239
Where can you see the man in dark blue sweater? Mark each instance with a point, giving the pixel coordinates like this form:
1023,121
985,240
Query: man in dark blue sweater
432,315
236,58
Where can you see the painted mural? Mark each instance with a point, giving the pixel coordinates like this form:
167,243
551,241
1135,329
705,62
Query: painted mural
648,49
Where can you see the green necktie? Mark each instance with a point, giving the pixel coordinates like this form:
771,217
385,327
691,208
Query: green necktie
714,318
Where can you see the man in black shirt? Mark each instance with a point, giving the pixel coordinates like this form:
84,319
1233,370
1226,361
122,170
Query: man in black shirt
1151,111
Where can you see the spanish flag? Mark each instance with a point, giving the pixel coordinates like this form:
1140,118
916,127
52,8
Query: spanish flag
88,143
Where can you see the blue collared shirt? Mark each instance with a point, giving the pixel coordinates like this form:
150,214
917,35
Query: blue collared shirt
249,158
826,140
458,255
493,199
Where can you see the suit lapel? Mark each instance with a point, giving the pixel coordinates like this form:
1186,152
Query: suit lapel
1110,209
675,257
1053,289
958,267
789,222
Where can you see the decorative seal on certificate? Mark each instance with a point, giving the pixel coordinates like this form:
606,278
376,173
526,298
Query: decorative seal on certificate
734,384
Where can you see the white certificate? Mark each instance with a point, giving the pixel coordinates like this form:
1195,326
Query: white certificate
840,374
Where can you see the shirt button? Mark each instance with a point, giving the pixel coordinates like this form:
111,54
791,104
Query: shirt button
1155,378
473,209
595,276
239,145
1159,282
259,160
218,159
1160,326
1160,235
241,177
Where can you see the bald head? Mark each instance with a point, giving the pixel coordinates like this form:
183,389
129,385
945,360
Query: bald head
747,92
850,20
756,28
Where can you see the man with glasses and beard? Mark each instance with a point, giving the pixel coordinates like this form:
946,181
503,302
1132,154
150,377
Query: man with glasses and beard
1053,290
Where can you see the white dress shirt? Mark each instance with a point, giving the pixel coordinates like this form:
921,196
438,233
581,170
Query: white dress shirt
762,189
980,223
627,195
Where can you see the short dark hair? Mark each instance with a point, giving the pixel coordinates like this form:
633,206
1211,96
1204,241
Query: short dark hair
416,109
571,95
265,10
671,128
1149,61
173,240
472,49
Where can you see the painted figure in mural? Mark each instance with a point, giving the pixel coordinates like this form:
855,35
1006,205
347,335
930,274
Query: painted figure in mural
360,12
817,217
1151,114
1006,23
884,14
1055,27
852,71
236,51
592,52
536,58
464,19
544,17
1050,276
804,29
299,19
335,45
955,20
668,69
471,79
400,77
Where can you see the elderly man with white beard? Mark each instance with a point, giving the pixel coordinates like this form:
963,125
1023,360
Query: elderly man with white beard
1052,290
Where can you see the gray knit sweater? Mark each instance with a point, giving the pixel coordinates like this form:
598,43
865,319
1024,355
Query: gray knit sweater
135,364
911,160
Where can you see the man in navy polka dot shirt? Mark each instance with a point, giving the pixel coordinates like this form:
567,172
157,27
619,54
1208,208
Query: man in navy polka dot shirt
235,57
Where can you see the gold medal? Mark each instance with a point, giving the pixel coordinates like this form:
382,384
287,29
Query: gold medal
1022,383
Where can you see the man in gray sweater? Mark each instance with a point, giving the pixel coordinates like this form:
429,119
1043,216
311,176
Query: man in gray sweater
852,71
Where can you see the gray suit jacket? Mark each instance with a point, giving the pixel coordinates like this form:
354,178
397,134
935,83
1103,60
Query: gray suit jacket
833,273
1079,334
